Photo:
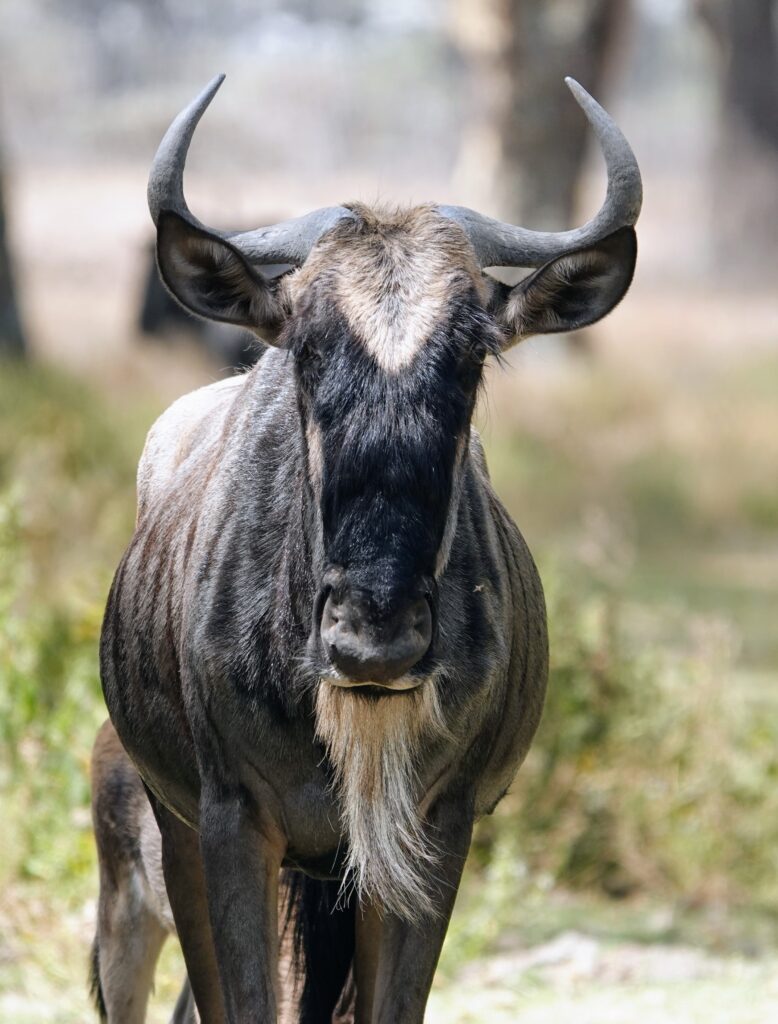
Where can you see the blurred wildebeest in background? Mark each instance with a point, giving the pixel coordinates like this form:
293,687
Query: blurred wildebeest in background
161,318
134,916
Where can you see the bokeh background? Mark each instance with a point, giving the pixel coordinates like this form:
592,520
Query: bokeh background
632,872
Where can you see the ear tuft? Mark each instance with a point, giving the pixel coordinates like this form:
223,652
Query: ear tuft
571,291
212,279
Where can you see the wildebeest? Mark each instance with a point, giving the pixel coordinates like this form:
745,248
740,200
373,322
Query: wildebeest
325,647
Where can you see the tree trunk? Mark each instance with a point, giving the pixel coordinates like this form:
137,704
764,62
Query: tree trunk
544,133
745,173
526,139
751,81
529,138
11,334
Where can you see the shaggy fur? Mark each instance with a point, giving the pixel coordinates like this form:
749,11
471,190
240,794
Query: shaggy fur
374,745
404,270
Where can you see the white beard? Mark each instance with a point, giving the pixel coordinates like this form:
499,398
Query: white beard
374,745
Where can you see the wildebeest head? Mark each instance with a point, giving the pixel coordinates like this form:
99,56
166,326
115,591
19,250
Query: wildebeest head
389,317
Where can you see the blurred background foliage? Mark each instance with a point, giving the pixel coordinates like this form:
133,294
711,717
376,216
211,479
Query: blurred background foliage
640,460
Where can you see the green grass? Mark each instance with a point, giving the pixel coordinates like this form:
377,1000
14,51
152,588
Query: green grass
66,485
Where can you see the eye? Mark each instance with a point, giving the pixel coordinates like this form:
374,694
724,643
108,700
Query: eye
471,366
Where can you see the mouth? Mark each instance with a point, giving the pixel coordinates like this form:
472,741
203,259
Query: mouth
401,685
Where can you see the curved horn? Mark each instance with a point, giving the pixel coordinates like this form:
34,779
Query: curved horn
166,178
287,242
497,244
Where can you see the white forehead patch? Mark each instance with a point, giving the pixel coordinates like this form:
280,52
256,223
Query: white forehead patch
394,296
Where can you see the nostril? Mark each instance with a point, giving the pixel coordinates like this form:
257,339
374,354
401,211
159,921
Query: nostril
332,612
422,618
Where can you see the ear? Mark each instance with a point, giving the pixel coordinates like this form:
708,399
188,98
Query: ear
212,279
571,291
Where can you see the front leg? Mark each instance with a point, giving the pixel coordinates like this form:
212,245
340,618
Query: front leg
242,860
407,954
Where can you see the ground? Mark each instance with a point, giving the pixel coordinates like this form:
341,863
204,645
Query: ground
576,977
616,971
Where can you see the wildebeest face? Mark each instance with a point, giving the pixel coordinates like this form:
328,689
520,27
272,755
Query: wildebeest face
389,333
389,319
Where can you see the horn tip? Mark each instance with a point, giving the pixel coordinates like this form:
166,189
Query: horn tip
581,95
215,84
208,93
